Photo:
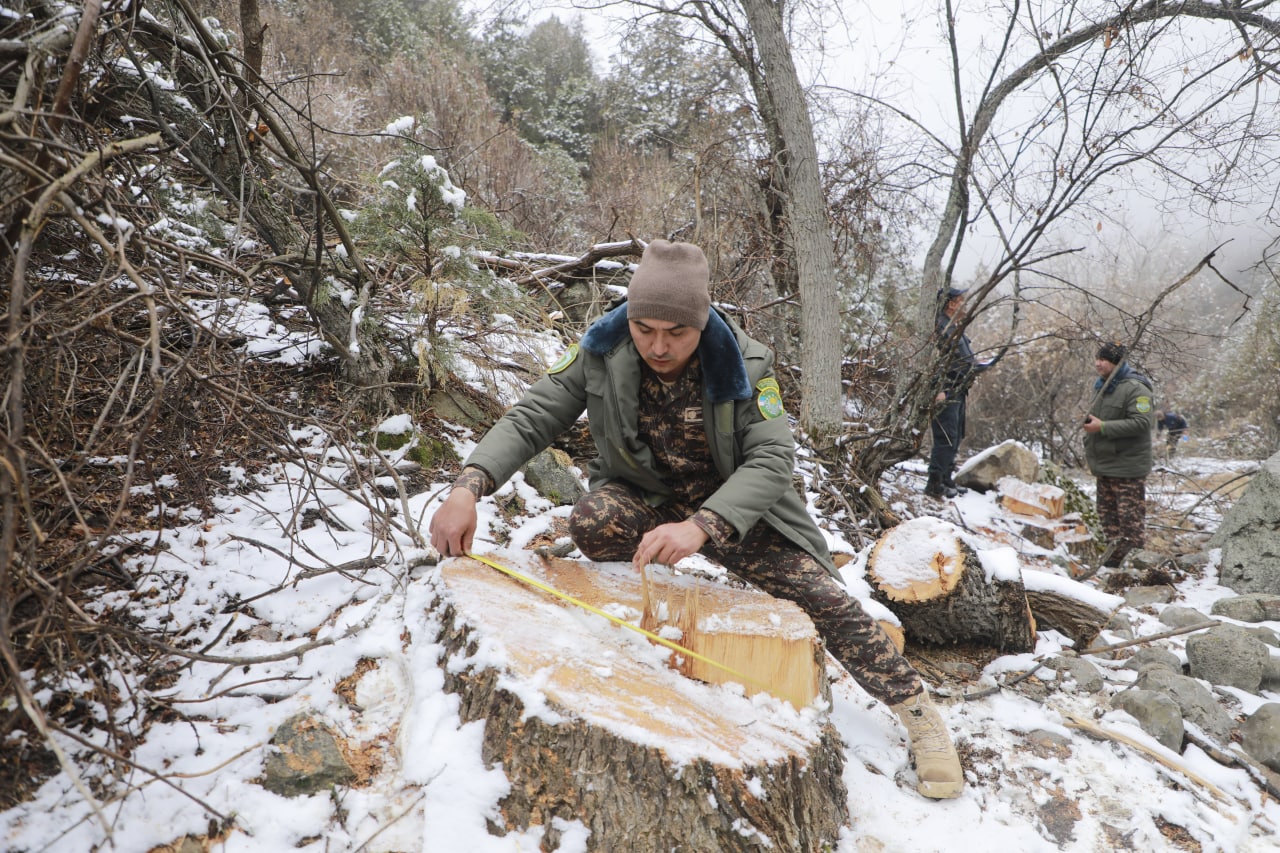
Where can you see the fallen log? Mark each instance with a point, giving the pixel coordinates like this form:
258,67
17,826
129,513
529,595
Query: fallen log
935,583
591,723
1069,607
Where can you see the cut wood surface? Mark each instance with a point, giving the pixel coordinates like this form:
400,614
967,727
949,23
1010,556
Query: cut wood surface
1024,498
934,582
589,720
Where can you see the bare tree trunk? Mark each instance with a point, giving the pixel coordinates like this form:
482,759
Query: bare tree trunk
805,214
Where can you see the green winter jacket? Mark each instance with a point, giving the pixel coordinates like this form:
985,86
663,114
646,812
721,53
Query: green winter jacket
754,454
1123,447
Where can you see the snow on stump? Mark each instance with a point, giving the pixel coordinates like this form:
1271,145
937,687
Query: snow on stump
594,723
933,581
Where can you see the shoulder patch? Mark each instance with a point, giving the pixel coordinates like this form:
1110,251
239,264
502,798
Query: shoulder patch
769,398
569,356
1143,404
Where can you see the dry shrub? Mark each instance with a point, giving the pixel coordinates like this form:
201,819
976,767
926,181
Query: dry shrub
536,193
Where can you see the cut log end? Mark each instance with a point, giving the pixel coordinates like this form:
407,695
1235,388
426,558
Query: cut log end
931,579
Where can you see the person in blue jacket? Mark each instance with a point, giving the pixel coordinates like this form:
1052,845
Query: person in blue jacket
958,367
1175,425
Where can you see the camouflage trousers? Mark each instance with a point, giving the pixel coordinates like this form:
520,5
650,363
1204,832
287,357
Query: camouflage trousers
608,523
1122,509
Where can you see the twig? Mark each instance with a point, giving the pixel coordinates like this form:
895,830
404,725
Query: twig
397,818
1092,728
1185,629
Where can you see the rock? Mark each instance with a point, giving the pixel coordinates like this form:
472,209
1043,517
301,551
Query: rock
1144,561
1193,562
549,473
1047,744
1271,675
1194,700
1177,616
1151,656
1121,624
1085,675
1008,459
306,759
1252,607
1140,596
1228,655
1247,536
1261,735
1157,714
1266,635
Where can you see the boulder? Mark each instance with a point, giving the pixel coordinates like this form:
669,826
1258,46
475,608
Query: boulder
305,758
1152,656
1260,735
1253,607
1228,655
1178,616
550,473
1271,675
1249,535
1083,676
1008,459
1156,713
1194,700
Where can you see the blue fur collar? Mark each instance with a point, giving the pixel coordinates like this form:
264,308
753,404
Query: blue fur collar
724,374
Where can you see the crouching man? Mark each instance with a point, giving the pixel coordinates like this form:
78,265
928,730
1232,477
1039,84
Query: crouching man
695,456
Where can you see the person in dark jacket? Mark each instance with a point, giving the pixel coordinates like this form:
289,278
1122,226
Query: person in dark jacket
959,366
694,455
1117,447
1175,425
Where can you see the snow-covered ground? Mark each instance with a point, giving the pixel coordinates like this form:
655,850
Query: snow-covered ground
1023,759
253,582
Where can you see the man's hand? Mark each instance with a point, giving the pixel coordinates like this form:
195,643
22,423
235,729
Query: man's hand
1092,424
669,543
454,524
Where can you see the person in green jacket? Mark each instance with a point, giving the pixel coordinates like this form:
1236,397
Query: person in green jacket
694,455
1117,448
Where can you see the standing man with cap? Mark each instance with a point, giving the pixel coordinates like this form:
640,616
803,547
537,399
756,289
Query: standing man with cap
958,367
694,454
1117,448
1177,426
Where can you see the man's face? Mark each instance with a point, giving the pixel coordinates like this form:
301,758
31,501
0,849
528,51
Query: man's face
1103,367
665,346
953,305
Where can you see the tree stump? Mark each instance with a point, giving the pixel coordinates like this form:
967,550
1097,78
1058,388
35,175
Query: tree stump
935,584
591,723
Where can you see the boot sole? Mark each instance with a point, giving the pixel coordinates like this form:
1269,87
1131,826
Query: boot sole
940,790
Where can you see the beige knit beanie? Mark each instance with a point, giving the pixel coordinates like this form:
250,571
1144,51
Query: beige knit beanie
671,284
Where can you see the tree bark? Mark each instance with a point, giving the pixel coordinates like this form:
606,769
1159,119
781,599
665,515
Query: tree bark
784,110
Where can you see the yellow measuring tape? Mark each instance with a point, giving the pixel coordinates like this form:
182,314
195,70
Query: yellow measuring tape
662,641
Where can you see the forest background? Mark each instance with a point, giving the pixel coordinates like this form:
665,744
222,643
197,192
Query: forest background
421,183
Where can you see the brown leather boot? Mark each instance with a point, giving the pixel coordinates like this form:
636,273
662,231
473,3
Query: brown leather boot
938,772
